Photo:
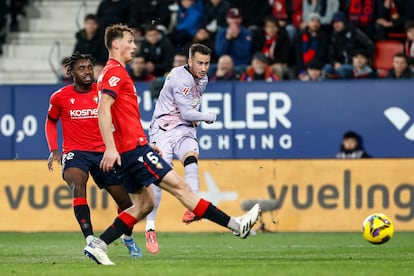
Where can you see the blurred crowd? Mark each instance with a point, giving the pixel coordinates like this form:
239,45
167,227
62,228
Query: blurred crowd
270,40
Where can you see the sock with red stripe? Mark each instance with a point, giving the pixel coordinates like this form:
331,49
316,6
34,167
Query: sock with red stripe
129,231
83,215
206,209
122,223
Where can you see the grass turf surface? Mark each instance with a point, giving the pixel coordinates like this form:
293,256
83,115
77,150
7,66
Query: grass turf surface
212,254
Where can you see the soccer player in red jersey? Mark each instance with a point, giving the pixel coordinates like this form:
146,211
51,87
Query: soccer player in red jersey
76,105
138,163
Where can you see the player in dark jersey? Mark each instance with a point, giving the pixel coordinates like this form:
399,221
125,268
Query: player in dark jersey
76,105
139,163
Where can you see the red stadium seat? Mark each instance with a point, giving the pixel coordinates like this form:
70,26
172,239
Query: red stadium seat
384,54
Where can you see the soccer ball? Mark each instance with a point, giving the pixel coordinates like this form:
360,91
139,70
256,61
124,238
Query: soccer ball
377,228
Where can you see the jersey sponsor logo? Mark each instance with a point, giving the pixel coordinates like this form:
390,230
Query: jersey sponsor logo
113,81
83,113
186,90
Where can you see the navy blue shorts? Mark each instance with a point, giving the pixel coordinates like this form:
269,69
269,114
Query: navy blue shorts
88,162
141,167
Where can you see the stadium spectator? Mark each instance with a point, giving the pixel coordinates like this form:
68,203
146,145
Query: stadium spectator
252,12
188,21
203,36
225,70
409,42
154,12
391,17
273,41
289,14
235,40
111,12
17,10
345,38
259,70
400,68
352,147
362,14
360,66
88,39
214,15
157,50
311,43
137,70
313,72
325,8
156,85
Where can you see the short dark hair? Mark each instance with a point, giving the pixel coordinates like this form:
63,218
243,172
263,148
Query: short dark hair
402,55
115,31
90,16
70,61
199,48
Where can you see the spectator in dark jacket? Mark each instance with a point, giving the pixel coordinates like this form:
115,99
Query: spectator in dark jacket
274,43
214,15
311,43
400,68
392,17
345,38
235,40
155,12
252,11
88,40
112,12
157,50
352,147
362,14
137,70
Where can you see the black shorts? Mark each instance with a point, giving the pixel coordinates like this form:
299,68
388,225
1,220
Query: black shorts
89,162
141,167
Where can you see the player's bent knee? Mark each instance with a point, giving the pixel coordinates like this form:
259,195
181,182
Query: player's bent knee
190,160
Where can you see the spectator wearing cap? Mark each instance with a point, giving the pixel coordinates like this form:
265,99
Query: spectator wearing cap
313,71
235,40
273,41
345,38
259,70
325,8
253,12
157,50
311,43
361,14
360,67
400,68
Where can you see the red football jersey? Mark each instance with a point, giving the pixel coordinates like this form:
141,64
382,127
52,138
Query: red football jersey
78,112
126,120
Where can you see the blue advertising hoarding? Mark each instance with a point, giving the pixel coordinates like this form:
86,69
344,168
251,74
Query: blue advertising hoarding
255,120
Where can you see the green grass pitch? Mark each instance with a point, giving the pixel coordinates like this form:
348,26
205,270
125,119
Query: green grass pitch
212,254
